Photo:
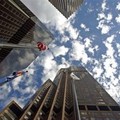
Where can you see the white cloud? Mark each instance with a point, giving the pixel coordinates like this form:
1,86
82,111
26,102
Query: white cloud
78,52
104,28
98,70
64,39
73,32
110,63
118,48
4,91
65,62
118,19
87,42
109,17
118,6
84,27
60,50
103,6
104,19
100,16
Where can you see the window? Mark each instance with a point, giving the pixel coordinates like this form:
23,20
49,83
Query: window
83,113
84,118
82,107
103,108
115,108
15,109
26,117
29,113
91,107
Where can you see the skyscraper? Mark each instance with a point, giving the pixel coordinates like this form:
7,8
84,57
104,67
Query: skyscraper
73,95
66,7
19,25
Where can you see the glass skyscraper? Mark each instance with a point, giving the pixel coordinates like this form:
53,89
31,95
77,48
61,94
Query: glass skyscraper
19,25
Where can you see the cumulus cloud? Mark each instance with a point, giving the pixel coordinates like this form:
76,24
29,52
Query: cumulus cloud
73,32
78,52
84,27
98,70
60,50
110,63
104,28
118,19
103,6
118,6
104,19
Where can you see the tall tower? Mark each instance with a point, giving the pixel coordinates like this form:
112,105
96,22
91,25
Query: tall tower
19,25
66,7
73,95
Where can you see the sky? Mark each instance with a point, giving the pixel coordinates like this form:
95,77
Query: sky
90,37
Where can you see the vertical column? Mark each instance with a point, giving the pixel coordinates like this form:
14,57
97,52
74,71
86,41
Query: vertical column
68,111
57,105
75,102
42,113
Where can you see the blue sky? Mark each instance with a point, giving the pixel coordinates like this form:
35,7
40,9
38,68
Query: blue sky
90,37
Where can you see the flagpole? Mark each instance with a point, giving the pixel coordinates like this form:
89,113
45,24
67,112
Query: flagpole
23,45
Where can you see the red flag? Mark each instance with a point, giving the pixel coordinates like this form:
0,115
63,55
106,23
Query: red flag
41,46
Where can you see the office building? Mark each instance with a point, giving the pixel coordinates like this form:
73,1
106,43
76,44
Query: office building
73,95
19,25
66,7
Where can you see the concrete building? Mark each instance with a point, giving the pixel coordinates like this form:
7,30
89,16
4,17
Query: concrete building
19,25
73,95
66,7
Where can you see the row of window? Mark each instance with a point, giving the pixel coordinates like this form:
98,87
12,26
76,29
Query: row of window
5,32
12,19
8,25
101,108
13,10
101,115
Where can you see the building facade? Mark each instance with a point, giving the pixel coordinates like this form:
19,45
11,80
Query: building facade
66,7
19,25
73,95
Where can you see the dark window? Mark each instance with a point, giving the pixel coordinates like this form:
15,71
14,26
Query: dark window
6,5
2,2
34,108
115,108
15,110
82,107
45,109
56,109
103,108
91,107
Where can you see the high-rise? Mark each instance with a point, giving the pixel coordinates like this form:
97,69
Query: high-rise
66,7
74,95
19,25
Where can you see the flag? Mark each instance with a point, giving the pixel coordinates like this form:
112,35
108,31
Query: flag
13,76
41,46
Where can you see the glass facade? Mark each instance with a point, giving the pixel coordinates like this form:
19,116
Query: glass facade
19,25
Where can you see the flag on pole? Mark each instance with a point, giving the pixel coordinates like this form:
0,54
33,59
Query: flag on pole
13,76
16,74
41,46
